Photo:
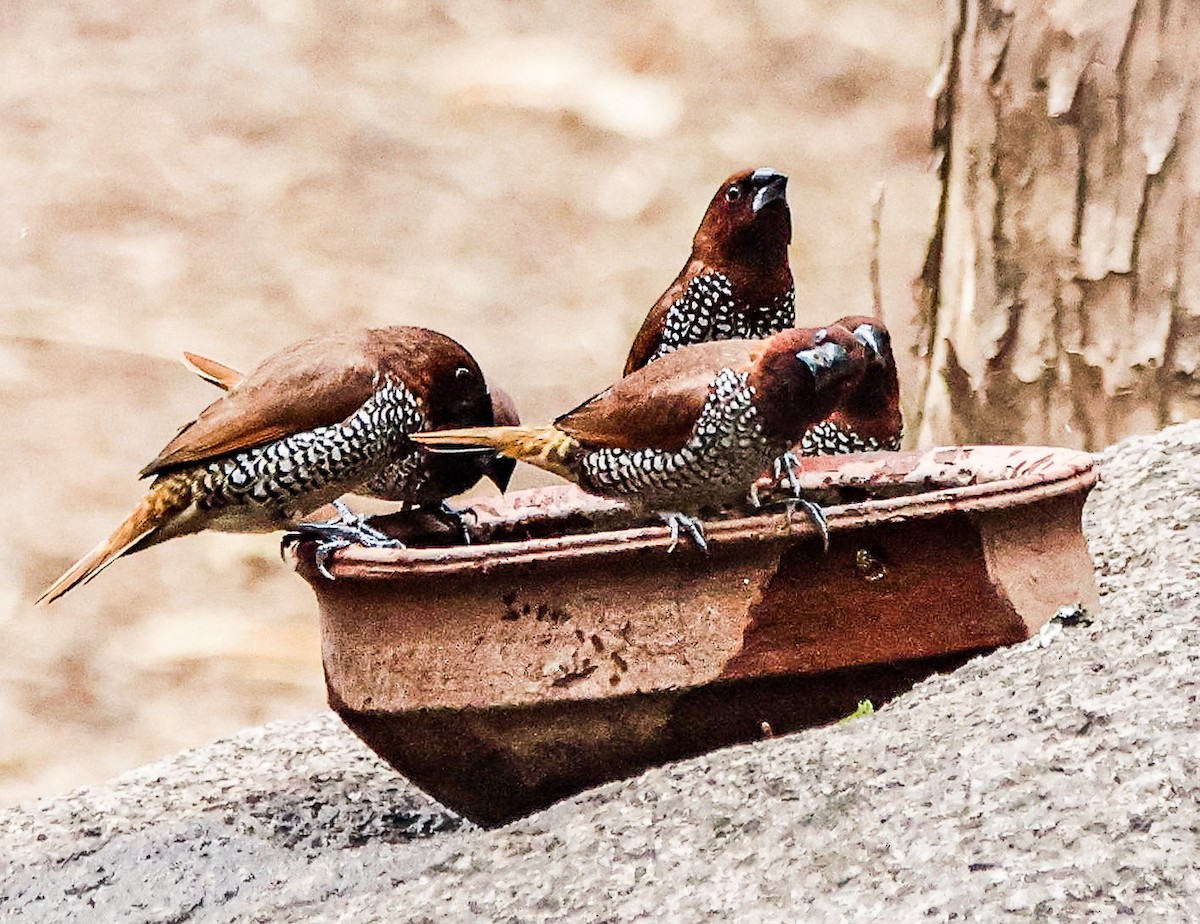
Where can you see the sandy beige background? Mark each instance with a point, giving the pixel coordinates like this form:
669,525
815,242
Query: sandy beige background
230,177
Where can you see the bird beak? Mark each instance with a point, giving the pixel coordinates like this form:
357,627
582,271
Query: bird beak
499,471
769,185
869,336
823,359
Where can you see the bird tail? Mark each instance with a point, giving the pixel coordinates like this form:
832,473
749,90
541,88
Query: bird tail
547,447
223,376
140,529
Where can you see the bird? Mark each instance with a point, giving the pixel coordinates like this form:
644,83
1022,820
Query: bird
866,419
737,282
869,418
315,420
690,431
439,469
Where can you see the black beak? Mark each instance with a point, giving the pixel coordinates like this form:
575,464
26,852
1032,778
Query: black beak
871,337
768,185
499,471
823,360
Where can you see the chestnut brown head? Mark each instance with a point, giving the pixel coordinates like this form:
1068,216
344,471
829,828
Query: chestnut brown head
872,408
804,373
457,395
494,408
872,332
748,222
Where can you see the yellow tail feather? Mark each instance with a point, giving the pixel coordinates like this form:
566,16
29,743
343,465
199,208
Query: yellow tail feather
546,447
157,508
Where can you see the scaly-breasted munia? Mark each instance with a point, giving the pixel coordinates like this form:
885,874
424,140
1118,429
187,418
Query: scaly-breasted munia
436,469
691,431
737,282
316,420
868,419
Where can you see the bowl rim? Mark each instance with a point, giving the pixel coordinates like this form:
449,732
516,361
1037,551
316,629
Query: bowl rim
1000,476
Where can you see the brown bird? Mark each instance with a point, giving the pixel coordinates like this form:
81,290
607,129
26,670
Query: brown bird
869,417
866,419
314,421
438,470
737,282
690,431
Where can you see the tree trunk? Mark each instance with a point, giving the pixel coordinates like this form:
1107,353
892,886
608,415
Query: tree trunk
1060,301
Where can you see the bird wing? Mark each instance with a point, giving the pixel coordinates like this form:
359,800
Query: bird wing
649,335
311,384
656,407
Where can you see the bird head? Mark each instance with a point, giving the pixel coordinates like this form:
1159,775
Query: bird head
747,219
464,398
872,333
872,407
804,373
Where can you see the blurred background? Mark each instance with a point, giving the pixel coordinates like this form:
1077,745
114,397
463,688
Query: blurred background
230,177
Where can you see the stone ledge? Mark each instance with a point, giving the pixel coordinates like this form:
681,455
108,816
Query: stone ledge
1058,781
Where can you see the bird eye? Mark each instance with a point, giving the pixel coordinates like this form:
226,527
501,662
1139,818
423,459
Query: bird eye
462,372
733,193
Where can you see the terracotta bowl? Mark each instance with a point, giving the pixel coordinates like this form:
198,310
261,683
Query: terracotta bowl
567,646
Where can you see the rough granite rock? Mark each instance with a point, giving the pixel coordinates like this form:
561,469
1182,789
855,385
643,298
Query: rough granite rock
1057,783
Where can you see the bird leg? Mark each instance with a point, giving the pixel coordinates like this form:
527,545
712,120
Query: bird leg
676,521
816,514
785,464
357,522
789,464
459,516
346,529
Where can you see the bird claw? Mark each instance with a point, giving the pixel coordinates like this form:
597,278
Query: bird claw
343,531
695,529
789,465
365,533
460,516
816,514
324,551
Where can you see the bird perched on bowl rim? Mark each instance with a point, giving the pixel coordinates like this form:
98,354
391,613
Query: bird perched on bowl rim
316,420
737,282
499,470
688,432
868,419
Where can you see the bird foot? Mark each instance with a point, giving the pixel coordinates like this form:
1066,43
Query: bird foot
357,522
677,521
333,535
460,515
789,465
816,514
344,530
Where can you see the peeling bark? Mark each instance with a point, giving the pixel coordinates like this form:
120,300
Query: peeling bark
1060,299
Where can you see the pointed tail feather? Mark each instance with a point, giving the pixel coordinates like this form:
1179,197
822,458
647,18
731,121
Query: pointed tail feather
512,441
136,532
223,376
546,447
